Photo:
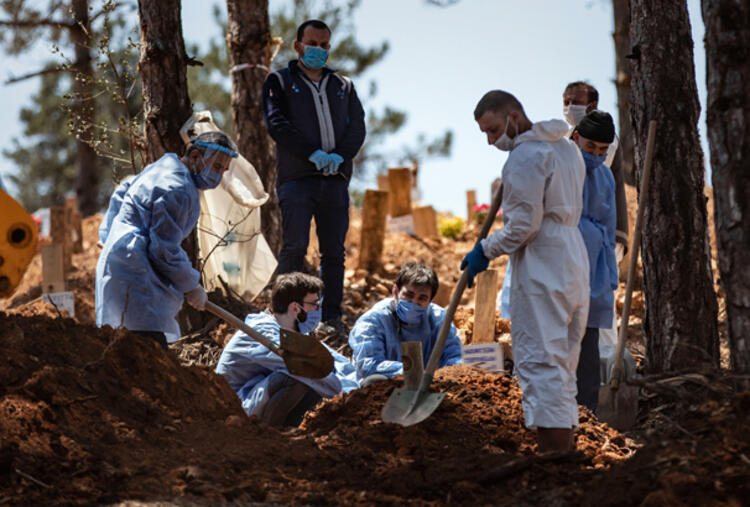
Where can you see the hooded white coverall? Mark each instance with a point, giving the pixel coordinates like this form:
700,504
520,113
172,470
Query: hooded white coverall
542,200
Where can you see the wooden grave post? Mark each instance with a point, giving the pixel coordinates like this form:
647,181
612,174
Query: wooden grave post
374,211
471,203
383,182
444,293
53,269
485,300
59,222
399,189
76,228
425,222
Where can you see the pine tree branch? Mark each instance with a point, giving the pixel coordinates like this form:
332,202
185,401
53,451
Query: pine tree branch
35,23
49,70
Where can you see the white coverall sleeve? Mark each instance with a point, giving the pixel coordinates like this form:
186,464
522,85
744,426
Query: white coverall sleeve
168,216
368,342
524,180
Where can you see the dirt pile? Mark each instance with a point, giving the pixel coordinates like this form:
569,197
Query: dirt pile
461,452
93,415
96,415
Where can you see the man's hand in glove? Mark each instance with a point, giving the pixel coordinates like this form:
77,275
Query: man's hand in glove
321,159
334,161
197,298
476,262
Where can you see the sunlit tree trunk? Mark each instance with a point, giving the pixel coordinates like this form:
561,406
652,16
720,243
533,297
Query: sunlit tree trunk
249,41
728,77
681,310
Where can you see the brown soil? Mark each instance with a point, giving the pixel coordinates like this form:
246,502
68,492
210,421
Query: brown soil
98,416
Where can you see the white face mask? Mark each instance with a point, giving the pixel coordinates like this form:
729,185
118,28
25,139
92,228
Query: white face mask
505,143
574,114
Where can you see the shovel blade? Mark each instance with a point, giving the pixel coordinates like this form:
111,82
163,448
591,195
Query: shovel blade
410,407
305,356
618,408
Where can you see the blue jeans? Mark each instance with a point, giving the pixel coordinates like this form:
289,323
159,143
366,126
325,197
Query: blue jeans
588,372
326,198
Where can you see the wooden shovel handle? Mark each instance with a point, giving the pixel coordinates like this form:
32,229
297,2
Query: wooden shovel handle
240,324
459,290
617,370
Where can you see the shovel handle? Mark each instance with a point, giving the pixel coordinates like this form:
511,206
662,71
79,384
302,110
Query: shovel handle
240,324
617,369
458,292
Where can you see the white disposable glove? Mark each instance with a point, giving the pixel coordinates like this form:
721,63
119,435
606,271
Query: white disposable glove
197,298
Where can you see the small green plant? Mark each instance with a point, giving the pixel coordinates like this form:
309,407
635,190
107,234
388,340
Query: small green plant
450,227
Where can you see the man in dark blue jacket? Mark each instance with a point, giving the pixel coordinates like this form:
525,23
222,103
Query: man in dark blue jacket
317,121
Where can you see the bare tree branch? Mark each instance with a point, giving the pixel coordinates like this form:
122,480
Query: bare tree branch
48,70
34,23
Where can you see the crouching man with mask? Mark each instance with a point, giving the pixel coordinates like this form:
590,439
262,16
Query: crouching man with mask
259,377
408,316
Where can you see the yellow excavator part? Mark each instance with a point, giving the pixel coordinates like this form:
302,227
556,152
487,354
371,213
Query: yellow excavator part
18,237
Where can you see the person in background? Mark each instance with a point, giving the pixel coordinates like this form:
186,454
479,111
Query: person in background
593,136
258,376
143,274
542,200
408,316
317,121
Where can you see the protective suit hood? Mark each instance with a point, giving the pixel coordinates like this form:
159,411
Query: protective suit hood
549,131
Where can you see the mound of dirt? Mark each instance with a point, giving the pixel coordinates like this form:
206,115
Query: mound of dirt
92,415
461,452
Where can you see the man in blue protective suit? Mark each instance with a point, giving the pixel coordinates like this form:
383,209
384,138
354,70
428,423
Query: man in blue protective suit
317,121
259,377
542,199
408,316
143,274
598,224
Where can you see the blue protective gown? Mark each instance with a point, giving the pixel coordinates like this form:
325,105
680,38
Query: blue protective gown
143,272
247,366
376,341
598,227
115,201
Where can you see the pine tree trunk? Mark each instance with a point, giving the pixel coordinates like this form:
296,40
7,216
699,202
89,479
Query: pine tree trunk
87,186
249,41
681,310
727,55
166,103
621,36
163,69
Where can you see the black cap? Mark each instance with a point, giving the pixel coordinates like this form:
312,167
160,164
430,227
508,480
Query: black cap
597,126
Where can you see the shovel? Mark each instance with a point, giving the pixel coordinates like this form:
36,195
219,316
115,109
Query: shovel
618,405
303,355
407,407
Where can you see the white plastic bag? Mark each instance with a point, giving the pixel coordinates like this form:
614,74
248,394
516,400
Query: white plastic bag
230,242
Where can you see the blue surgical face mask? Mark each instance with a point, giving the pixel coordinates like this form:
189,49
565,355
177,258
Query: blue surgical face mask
411,313
314,57
307,321
593,161
207,179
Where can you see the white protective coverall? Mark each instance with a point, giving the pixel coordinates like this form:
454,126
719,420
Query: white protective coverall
542,200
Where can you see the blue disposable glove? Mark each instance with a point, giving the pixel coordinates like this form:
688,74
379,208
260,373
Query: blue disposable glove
320,158
334,161
476,261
